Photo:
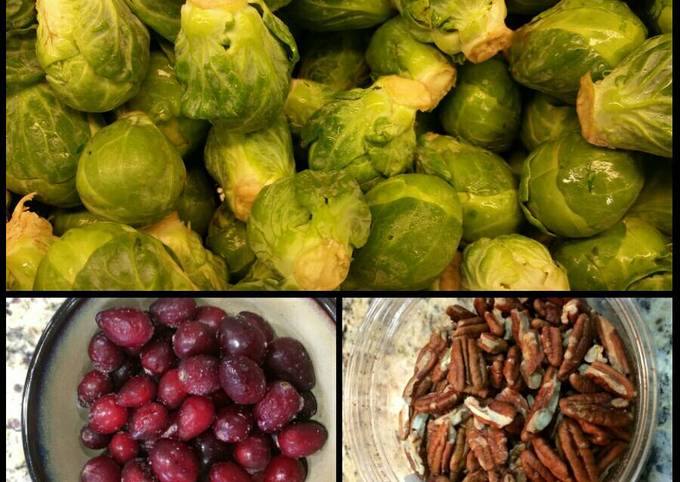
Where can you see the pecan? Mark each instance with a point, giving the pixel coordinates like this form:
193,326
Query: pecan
612,344
577,451
610,455
437,402
476,476
489,445
578,344
520,323
476,365
582,384
538,324
473,328
457,462
492,344
595,408
610,379
482,305
456,375
550,459
438,434
506,305
514,398
496,370
458,312
572,309
542,410
597,435
551,339
511,367
620,433
497,414
496,326
471,462
534,469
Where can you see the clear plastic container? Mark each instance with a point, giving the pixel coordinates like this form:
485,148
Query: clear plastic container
381,362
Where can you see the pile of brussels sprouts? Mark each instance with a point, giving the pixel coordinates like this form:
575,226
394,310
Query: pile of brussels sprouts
339,144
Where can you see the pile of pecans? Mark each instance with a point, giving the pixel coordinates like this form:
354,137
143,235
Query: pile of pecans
532,389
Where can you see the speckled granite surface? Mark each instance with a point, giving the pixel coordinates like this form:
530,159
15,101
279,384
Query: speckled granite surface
657,312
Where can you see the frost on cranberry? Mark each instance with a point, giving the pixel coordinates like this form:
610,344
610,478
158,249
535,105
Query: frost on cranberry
137,470
93,440
288,360
100,469
242,380
106,416
149,421
238,337
278,407
195,416
173,461
136,392
173,311
210,316
93,386
260,323
233,424
126,327
254,453
194,338
284,469
157,357
171,391
199,374
302,439
105,356
123,447
228,472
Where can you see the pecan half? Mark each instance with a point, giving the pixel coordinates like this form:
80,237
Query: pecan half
492,344
472,327
497,414
577,451
534,469
457,312
582,384
489,445
544,406
437,402
496,326
456,375
610,379
610,455
579,342
511,367
595,408
612,344
496,371
550,459
597,435
438,434
551,339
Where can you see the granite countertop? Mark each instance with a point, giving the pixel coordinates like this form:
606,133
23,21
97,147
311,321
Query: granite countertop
656,311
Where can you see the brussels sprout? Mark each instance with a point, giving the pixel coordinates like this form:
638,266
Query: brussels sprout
655,282
546,119
207,270
335,15
276,4
227,237
234,59
130,173
553,51
474,27
616,259
573,189
306,226
510,262
367,132
19,13
159,98
632,107
660,15
95,52
304,99
393,50
260,278
21,65
655,202
27,239
109,256
417,225
44,140
160,15
528,7
197,203
484,108
64,219
516,162
244,163
484,183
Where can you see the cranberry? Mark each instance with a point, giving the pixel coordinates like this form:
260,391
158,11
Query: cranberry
194,338
93,386
257,477
278,407
173,461
123,373
254,453
136,392
228,472
233,424
149,421
123,447
173,428
238,337
210,316
301,439
195,416
288,360
220,399
106,416
210,449
199,374
105,356
260,323
126,327
173,311
242,380
309,407
157,357
284,469
93,440
100,469
137,470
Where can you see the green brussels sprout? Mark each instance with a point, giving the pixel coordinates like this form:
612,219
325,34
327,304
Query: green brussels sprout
484,108
486,188
109,256
159,98
161,16
234,59
474,27
655,202
417,225
276,4
306,226
632,107
44,139
660,15
367,132
95,52
304,99
510,262
244,163
572,189
393,50
516,160
335,59
654,282
553,51
27,239
19,14
546,119
21,64
336,15
228,238
260,278
130,173
197,203
64,219
616,259
528,7
205,269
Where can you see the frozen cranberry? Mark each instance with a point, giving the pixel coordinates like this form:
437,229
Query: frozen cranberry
173,461
233,424
309,407
288,360
220,399
173,311
284,469
210,316
242,380
93,386
123,373
137,470
210,449
93,440
257,477
278,407
123,447
228,472
254,453
260,323
171,391
106,416
301,439
195,416
136,392
157,357
238,337
199,374
172,430
100,469
105,356
194,338
149,421
126,327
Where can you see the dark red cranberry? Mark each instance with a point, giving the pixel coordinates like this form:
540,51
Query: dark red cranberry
171,391
149,421
106,416
257,477
228,472
93,386
238,337
220,399
309,407
126,327
136,392
100,469
195,416
157,357
260,323
288,360
233,424
210,449
173,461
284,469
254,453
210,316
172,430
105,356
173,311
301,439
194,338
242,380
93,440
199,374
123,447
278,407
137,470
123,373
